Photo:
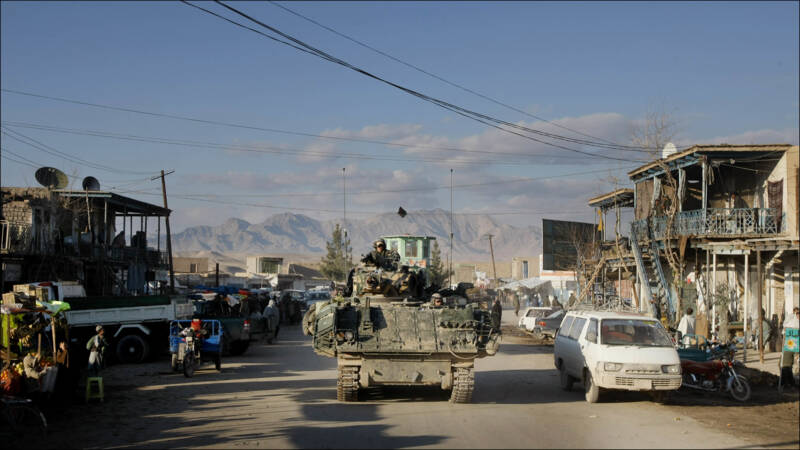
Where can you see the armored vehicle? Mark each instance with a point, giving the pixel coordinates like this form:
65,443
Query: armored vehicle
385,330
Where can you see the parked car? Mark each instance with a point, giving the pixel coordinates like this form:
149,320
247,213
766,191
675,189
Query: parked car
547,326
532,314
615,350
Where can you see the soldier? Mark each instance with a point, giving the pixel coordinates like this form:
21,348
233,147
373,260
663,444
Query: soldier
497,313
381,257
436,300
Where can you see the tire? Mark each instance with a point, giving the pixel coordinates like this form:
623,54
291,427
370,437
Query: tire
132,349
662,397
592,390
174,362
239,347
25,419
565,379
740,389
188,365
218,362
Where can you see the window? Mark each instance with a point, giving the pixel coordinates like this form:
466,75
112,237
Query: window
268,266
426,248
564,330
577,327
592,330
635,332
394,245
411,249
192,268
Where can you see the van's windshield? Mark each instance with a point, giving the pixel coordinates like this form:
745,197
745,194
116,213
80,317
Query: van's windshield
637,332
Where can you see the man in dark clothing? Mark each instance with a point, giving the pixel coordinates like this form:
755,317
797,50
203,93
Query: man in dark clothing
97,347
381,257
497,313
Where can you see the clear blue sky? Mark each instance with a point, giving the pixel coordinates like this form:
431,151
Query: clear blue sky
727,72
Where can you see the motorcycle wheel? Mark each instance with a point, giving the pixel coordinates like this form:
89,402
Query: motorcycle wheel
740,389
188,365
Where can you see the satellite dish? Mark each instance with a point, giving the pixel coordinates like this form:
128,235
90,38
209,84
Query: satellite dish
401,212
51,178
669,149
91,184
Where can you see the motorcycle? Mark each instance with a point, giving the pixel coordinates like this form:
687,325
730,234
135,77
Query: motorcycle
190,346
715,376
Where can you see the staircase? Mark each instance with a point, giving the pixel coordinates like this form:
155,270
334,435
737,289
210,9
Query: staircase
651,275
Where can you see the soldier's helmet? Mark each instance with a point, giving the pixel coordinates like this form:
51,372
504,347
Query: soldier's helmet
379,241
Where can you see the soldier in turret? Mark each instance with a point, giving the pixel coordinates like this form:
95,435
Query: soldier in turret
382,257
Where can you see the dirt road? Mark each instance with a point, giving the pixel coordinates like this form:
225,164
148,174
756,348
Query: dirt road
284,395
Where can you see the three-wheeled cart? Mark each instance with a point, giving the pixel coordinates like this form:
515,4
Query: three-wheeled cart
210,346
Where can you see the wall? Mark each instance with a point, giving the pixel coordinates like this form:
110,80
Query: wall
183,264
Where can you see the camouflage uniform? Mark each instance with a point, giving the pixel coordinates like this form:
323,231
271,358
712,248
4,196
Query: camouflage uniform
386,259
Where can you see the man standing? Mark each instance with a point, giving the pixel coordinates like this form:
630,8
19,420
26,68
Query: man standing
497,314
515,299
97,346
686,325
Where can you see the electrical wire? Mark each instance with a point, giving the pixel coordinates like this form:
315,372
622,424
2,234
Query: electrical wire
442,79
274,150
269,130
482,118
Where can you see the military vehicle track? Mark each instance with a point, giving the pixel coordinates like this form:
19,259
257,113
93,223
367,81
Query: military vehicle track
347,384
463,385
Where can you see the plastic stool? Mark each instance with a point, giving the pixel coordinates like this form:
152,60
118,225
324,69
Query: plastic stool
90,394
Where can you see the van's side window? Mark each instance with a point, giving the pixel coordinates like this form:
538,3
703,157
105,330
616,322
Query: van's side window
564,330
577,327
591,332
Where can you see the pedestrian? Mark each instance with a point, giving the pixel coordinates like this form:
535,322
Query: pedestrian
787,357
515,299
497,314
572,299
686,324
97,347
765,330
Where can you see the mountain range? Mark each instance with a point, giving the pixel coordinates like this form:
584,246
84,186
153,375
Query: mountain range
297,234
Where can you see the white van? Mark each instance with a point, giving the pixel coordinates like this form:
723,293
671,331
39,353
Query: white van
616,350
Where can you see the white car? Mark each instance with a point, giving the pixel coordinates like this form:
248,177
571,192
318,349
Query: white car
616,350
532,314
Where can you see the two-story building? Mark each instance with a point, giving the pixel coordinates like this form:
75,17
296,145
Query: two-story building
715,228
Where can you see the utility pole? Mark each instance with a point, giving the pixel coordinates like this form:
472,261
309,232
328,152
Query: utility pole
169,235
344,220
450,256
494,269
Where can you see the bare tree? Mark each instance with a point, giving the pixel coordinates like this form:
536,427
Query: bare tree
656,129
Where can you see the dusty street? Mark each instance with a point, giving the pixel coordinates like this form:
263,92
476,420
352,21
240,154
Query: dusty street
283,395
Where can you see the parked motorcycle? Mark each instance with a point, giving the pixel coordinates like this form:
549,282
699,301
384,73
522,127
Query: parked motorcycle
715,376
190,349
191,342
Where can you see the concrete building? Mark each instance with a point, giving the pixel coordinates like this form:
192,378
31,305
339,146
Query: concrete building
182,264
264,265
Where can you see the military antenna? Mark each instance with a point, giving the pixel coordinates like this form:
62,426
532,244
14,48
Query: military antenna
344,220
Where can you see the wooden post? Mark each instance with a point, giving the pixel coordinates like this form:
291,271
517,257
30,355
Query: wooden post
169,235
8,340
53,328
746,303
714,295
216,275
760,311
39,344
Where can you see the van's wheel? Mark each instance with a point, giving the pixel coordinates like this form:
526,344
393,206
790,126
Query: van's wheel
463,385
564,379
132,349
239,347
592,390
347,384
174,362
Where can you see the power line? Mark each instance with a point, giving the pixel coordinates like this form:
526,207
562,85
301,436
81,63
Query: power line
270,149
20,137
442,79
269,130
482,118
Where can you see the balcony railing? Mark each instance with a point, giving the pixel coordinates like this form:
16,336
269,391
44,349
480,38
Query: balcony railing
745,222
